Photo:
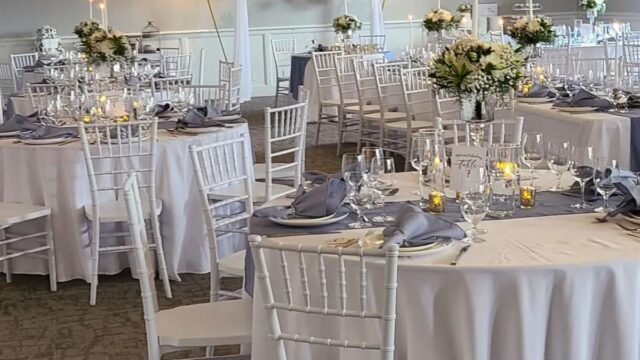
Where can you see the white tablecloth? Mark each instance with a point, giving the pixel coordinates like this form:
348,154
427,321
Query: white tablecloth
55,176
553,288
607,133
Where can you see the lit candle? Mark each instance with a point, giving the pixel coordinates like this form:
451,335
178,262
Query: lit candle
346,7
474,18
103,20
436,202
501,21
91,9
410,31
527,197
106,13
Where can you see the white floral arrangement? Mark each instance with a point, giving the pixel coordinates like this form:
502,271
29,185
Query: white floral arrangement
345,23
472,67
101,46
527,31
464,8
598,5
440,19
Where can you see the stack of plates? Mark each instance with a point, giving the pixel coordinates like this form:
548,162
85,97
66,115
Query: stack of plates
309,222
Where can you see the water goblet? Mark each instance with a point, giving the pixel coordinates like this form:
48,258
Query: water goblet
603,177
474,203
558,160
532,151
383,178
582,170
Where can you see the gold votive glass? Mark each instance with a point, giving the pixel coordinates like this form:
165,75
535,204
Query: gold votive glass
436,202
527,197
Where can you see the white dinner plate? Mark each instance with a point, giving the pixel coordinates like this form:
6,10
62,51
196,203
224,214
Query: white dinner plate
44,141
226,117
308,222
374,239
10,133
201,130
577,109
529,100
632,218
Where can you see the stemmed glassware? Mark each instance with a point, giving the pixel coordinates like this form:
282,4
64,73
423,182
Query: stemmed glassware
369,153
582,170
359,194
474,204
559,160
383,178
532,151
603,175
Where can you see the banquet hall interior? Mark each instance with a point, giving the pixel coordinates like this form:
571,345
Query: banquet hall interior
320,179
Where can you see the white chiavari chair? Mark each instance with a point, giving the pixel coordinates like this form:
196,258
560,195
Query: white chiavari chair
162,89
500,131
281,170
41,95
18,63
177,65
229,75
297,301
6,79
119,149
206,95
345,74
496,36
447,106
282,50
594,71
191,326
559,61
12,214
169,51
418,102
379,40
367,101
218,167
631,59
328,93
390,97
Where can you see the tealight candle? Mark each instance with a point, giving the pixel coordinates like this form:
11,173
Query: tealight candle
86,119
436,202
527,197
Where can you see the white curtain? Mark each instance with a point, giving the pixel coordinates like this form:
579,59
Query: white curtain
242,48
377,20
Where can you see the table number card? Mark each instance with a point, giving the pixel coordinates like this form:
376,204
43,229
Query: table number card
463,160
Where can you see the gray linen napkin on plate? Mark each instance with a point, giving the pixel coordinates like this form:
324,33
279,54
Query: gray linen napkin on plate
414,227
163,109
20,123
319,177
627,184
633,101
539,91
583,98
50,132
324,200
198,116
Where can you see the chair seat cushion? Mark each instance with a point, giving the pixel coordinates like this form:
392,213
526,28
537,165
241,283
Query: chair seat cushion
237,189
208,324
388,116
367,109
14,213
336,102
233,264
116,211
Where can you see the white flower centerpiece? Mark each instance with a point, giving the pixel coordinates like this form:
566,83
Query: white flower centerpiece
482,75
103,47
465,10
530,32
593,8
346,25
440,20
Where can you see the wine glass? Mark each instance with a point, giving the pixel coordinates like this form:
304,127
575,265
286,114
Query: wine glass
474,204
603,176
582,170
359,194
532,151
369,153
559,160
383,178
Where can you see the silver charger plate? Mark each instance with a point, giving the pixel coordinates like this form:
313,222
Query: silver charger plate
577,109
53,141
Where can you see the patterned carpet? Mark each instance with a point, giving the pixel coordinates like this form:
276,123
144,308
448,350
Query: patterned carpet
38,324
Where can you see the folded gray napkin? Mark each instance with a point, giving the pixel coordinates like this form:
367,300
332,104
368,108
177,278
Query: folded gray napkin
163,109
539,91
197,117
583,98
324,200
319,177
414,227
50,132
590,191
627,184
633,101
20,123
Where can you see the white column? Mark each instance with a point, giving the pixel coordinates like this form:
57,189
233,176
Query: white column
242,48
474,13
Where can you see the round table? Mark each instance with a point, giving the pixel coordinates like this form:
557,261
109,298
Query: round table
555,287
56,177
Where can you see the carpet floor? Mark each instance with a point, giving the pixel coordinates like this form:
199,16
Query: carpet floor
38,324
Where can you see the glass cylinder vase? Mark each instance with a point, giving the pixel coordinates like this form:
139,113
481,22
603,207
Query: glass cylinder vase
504,178
477,111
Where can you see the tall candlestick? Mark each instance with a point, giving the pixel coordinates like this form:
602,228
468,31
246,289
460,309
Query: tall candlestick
530,9
474,13
106,14
102,18
91,9
439,4
501,21
346,7
411,44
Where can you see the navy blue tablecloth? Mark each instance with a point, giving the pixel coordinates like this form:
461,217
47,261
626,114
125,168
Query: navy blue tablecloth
296,78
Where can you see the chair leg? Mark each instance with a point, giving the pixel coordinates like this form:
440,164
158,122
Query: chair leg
6,266
95,245
277,93
318,126
360,133
53,280
162,264
341,121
